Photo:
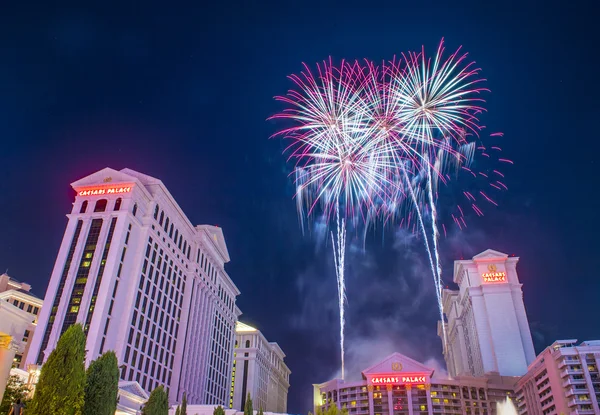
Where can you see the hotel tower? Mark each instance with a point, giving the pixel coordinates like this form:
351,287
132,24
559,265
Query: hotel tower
145,283
488,331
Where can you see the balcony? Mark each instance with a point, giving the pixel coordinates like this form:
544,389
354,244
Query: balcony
570,381
541,379
567,372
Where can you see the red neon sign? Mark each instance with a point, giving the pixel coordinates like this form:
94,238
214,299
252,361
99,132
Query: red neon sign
398,380
491,277
103,190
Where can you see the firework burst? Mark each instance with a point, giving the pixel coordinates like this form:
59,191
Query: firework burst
373,142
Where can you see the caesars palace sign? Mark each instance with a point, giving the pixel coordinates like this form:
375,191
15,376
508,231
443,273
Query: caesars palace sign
98,191
493,275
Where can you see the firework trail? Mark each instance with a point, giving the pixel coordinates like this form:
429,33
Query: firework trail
439,102
339,248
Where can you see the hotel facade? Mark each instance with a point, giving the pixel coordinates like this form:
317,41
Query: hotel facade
399,385
18,294
258,369
487,330
145,283
563,379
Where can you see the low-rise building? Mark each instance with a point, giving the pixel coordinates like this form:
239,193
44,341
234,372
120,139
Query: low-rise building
18,294
258,370
564,378
399,385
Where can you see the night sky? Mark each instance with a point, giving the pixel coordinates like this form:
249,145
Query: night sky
182,93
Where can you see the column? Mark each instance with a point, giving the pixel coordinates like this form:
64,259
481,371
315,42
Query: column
389,396
7,354
429,403
371,409
409,399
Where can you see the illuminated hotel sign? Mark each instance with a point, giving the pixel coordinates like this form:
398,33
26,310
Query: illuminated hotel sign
105,190
493,275
398,380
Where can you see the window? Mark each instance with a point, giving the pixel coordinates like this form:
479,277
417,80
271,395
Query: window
162,217
134,210
100,205
156,208
118,204
247,343
83,206
167,224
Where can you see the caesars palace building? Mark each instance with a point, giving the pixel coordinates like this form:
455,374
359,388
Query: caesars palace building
489,348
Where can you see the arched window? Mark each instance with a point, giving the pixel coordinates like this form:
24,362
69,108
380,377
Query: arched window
162,217
176,235
118,204
247,343
100,205
171,231
134,210
167,224
156,208
189,251
83,206
180,240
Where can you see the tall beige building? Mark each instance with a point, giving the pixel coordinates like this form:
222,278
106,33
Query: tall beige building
487,330
258,369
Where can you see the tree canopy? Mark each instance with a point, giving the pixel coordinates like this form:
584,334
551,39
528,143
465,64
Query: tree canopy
102,386
158,403
61,386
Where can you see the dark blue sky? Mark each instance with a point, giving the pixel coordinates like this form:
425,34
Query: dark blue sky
182,93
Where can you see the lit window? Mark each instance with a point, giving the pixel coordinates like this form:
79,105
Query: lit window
86,264
74,309
89,254
423,408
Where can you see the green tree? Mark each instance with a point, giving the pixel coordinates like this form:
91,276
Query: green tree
158,403
178,410
15,389
102,386
219,410
260,411
61,387
184,404
332,410
248,407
